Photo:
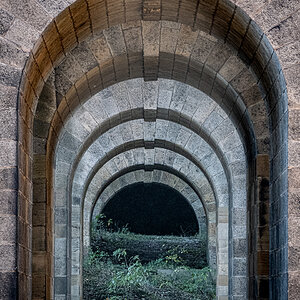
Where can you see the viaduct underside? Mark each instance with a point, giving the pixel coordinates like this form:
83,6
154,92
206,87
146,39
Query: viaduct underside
199,96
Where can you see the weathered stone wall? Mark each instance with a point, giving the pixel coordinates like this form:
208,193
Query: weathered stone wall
278,22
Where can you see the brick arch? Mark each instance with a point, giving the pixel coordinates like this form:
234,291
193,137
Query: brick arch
174,158
150,176
108,156
197,210
217,71
199,193
157,175
63,166
84,164
285,17
197,179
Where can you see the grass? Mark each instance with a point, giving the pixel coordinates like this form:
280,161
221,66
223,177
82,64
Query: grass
104,278
117,275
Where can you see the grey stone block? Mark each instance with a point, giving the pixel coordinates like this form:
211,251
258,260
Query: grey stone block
8,97
60,215
77,126
239,286
70,141
60,286
115,40
8,230
9,75
239,266
8,258
8,201
53,8
84,57
239,232
30,12
8,178
8,288
6,21
9,157
27,38
10,54
212,121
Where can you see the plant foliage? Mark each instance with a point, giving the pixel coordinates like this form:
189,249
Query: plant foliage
117,275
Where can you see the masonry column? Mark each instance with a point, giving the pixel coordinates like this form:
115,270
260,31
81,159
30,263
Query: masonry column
8,187
261,255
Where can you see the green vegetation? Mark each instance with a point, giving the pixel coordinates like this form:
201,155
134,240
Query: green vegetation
117,274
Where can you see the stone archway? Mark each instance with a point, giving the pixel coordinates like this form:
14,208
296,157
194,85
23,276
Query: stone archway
208,85
76,23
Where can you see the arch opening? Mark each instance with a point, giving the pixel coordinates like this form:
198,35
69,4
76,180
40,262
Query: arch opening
151,209
263,77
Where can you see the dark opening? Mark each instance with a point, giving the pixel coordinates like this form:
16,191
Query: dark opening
152,209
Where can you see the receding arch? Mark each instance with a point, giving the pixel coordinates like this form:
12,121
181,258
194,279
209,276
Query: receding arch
182,221
264,78
148,177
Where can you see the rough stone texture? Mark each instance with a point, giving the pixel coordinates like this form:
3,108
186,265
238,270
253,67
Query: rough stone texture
278,21
148,158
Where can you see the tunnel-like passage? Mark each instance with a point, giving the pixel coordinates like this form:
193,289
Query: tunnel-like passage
151,209
83,48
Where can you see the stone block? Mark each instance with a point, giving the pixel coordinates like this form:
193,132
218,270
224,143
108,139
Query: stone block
150,32
8,258
8,156
12,55
6,21
9,75
31,13
115,40
60,286
8,178
223,130
8,201
8,288
70,69
69,141
60,215
8,97
100,48
239,266
212,121
8,228
243,81
231,68
84,57
133,38
239,286
222,291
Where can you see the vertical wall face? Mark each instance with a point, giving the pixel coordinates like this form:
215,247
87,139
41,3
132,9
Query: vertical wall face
41,209
280,22
15,195
8,192
188,152
258,209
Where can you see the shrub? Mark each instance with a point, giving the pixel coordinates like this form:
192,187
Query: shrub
118,276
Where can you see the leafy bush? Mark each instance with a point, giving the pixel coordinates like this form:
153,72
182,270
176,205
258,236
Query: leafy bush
191,251
118,274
